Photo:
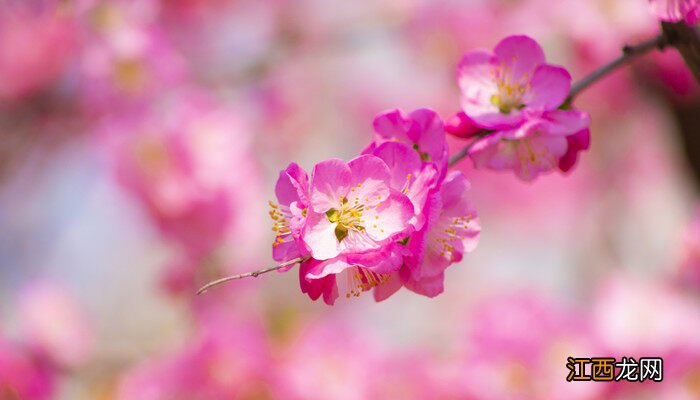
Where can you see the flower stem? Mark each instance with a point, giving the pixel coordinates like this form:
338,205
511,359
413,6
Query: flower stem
254,274
628,53
464,152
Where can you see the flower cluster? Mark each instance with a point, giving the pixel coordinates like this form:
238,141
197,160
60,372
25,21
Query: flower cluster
391,217
517,104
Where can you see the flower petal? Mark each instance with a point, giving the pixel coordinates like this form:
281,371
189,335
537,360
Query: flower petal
476,74
390,218
393,125
328,267
518,56
549,87
319,236
431,133
564,122
330,181
292,185
401,161
388,288
370,179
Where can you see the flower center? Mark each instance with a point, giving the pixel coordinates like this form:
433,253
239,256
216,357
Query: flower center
510,94
424,156
348,217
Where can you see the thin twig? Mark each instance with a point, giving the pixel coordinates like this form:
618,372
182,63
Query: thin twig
254,274
628,53
465,151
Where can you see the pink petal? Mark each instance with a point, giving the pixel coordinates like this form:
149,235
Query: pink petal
431,133
370,179
393,125
292,185
565,122
319,236
385,290
476,74
401,161
518,57
577,142
387,259
328,267
285,251
418,243
330,181
419,189
390,218
453,189
549,87
547,152
316,287
358,242
428,286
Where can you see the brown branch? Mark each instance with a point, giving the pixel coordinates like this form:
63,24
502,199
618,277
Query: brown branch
254,274
628,53
686,39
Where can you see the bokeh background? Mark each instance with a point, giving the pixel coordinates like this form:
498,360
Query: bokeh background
140,142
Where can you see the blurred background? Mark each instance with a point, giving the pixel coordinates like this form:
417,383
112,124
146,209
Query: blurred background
141,140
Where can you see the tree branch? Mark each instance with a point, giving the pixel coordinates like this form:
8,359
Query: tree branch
686,39
254,274
628,53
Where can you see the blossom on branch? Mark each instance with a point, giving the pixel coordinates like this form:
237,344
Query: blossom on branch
518,102
393,214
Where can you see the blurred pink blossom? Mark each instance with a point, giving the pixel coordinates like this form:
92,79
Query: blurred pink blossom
22,375
127,58
227,358
329,361
517,347
640,318
54,325
37,47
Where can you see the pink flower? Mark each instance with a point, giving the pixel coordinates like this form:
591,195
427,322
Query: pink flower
422,129
227,358
186,159
54,325
514,337
451,229
353,209
127,59
338,363
676,10
292,191
500,87
543,143
22,376
37,46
